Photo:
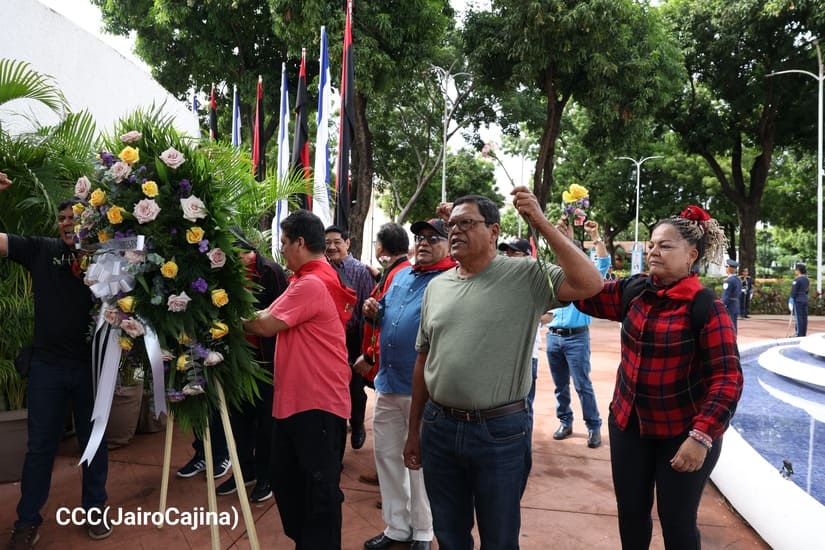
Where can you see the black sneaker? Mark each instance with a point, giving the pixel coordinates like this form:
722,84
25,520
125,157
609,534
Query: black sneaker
261,492
228,487
193,467
594,438
23,538
222,468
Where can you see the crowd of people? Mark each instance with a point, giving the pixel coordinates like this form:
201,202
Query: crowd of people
448,341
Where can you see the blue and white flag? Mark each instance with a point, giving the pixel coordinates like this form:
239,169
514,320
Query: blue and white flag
320,188
236,118
281,206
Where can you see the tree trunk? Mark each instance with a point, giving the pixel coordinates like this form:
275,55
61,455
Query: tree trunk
543,176
361,169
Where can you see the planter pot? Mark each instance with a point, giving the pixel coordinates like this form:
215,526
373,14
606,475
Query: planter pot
15,438
123,418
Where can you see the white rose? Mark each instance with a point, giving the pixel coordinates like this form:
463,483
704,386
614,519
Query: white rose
192,389
82,187
120,170
146,211
193,208
172,158
178,302
112,316
132,327
131,137
217,258
135,256
213,358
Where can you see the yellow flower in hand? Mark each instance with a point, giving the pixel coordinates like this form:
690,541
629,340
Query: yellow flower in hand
169,270
194,235
218,330
150,189
129,155
127,304
98,197
219,297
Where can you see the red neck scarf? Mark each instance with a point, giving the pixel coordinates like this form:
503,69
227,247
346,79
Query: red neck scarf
683,289
442,265
343,296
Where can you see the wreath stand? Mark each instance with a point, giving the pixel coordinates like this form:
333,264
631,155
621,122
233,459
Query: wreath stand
214,529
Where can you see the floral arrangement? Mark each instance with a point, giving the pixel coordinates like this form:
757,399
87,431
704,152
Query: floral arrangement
159,259
574,203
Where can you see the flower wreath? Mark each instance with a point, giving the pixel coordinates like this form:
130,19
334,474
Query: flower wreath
161,265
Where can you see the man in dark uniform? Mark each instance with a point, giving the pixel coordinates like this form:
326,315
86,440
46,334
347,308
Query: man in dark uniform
799,299
732,290
747,293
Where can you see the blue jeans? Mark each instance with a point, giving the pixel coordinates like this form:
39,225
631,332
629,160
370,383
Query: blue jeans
569,356
531,397
52,386
475,464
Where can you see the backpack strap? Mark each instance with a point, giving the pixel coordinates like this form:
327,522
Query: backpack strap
632,287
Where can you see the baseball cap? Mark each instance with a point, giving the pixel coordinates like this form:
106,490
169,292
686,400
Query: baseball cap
519,245
437,225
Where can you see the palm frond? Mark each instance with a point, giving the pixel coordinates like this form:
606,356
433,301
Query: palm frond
19,81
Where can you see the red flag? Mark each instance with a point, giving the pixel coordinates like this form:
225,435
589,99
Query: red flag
258,156
213,116
346,134
300,144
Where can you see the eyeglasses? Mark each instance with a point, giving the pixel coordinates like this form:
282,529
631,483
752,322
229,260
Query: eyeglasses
464,225
432,239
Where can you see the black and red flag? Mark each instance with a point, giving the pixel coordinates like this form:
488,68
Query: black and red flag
213,116
258,155
300,143
346,130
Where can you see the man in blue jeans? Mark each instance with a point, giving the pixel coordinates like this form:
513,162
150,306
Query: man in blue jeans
469,427
60,373
568,353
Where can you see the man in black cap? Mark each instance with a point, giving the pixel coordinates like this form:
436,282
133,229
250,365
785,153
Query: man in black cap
732,290
798,301
517,247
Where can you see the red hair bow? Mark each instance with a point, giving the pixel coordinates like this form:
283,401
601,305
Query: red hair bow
695,214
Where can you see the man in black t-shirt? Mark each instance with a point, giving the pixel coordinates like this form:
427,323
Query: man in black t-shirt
60,373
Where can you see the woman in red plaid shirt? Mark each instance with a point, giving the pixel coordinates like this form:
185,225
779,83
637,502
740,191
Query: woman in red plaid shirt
676,390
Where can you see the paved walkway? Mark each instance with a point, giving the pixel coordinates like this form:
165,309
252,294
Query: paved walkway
568,504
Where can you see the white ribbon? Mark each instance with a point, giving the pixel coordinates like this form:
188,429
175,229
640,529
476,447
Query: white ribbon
109,275
153,351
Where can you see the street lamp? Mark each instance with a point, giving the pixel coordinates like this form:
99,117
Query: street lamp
445,75
819,78
636,264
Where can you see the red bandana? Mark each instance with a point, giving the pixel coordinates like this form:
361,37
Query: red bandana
442,265
343,296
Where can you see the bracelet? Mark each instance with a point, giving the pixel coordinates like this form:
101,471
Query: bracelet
369,360
702,438
596,241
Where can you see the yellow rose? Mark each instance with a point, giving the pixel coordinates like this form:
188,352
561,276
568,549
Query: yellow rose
78,208
129,155
102,236
577,191
115,215
184,338
125,342
127,304
182,361
218,330
169,270
98,197
150,189
194,235
219,297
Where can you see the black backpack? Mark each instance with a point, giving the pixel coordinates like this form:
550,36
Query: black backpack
699,308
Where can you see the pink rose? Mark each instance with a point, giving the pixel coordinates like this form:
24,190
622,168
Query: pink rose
217,258
172,158
112,316
146,211
132,326
82,187
135,256
193,208
120,170
178,302
213,358
131,137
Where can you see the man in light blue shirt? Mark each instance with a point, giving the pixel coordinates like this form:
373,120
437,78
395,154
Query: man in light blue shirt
568,352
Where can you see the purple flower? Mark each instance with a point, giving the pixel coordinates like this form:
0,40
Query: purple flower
200,285
173,230
107,159
185,188
84,233
132,179
119,235
200,351
203,246
142,169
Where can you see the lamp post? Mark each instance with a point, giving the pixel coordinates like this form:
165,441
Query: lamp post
819,78
636,266
445,75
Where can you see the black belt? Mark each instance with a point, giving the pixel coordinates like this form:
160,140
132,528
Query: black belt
477,415
565,331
